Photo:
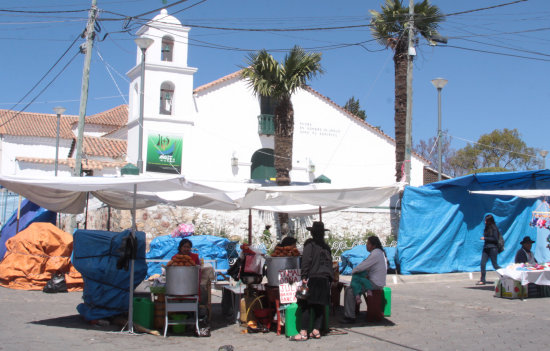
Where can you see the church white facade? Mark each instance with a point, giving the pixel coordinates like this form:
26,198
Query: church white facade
221,131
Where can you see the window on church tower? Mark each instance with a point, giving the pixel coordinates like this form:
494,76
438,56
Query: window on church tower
166,98
167,49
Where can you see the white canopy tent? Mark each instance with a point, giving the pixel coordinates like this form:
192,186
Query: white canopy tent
307,199
68,195
523,193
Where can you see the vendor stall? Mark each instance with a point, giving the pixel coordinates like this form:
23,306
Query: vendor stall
523,280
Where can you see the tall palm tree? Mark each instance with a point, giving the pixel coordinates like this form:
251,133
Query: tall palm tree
390,28
267,77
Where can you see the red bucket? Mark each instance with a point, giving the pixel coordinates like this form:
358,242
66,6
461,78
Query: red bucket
264,316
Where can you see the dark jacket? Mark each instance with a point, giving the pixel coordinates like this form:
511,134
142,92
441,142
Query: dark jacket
491,237
521,256
316,261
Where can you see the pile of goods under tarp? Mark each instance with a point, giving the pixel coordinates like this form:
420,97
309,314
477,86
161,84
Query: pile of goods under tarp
35,255
181,260
103,258
285,251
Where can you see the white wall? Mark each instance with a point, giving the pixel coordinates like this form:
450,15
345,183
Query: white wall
342,148
38,147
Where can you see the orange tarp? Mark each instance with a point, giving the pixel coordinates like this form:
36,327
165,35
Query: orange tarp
35,254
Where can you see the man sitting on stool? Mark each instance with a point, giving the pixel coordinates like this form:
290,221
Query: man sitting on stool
524,255
367,276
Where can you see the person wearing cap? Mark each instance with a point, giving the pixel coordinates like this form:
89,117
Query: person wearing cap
317,274
524,254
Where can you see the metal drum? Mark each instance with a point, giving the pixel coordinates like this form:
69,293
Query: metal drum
182,280
276,264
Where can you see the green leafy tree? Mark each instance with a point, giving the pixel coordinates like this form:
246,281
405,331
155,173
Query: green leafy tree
390,28
500,150
354,107
267,77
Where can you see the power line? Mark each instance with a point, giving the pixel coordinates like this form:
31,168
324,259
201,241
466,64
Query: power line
495,53
41,91
49,70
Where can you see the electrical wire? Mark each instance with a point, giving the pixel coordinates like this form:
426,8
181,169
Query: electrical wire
489,146
110,75
41,91
49,70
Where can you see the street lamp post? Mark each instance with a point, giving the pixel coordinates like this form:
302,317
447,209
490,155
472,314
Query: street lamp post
143,44
59,111
439,83
543,153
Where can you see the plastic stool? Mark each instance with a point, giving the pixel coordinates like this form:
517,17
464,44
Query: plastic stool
374,306
386,301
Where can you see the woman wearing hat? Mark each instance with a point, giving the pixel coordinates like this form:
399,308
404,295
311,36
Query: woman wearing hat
524,255
317,274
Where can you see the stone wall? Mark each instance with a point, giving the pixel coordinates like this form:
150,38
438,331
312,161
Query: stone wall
348,226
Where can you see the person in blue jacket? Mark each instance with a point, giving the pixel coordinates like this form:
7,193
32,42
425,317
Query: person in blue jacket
490,247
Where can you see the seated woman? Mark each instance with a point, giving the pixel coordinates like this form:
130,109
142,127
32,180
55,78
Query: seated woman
184,248
367,276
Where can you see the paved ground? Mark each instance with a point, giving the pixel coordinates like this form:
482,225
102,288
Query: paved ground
429,312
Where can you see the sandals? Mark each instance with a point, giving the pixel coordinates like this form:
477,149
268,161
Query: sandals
298,337
481,283
314,335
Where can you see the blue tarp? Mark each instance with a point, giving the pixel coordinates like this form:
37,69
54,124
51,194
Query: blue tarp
442,223
29,213
351,258
208,247
106,288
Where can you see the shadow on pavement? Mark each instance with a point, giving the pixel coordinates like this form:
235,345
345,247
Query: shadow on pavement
380,339
73,321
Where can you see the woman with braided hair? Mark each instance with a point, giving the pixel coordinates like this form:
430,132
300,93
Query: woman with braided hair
366,276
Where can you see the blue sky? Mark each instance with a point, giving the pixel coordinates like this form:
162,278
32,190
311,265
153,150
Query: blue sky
486,91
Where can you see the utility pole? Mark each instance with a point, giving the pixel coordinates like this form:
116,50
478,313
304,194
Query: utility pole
408,121
84,91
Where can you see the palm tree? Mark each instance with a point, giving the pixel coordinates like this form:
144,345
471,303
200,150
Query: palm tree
390,28
267,77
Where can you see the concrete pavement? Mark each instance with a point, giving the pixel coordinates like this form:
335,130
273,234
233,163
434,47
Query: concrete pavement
429,312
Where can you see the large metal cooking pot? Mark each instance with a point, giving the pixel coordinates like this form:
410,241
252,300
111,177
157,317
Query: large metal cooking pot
182,280
276,264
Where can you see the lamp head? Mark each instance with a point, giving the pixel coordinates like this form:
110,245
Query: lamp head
59,110
143,42
439,83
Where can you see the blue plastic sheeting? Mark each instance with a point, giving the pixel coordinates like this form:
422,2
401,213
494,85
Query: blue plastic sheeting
106,288
29,213
442,223
351,258
208,247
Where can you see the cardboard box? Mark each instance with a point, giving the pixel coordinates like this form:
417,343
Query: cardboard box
511,289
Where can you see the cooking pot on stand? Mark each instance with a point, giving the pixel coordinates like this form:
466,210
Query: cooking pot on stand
276,264
182,280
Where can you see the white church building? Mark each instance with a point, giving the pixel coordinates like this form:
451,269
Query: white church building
218,131
222,131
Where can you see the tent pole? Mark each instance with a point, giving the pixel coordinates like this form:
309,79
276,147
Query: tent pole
249,226
18,215
86,217
131,301
320,214
108,217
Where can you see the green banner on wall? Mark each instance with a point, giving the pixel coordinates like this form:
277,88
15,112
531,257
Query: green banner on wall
164,153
